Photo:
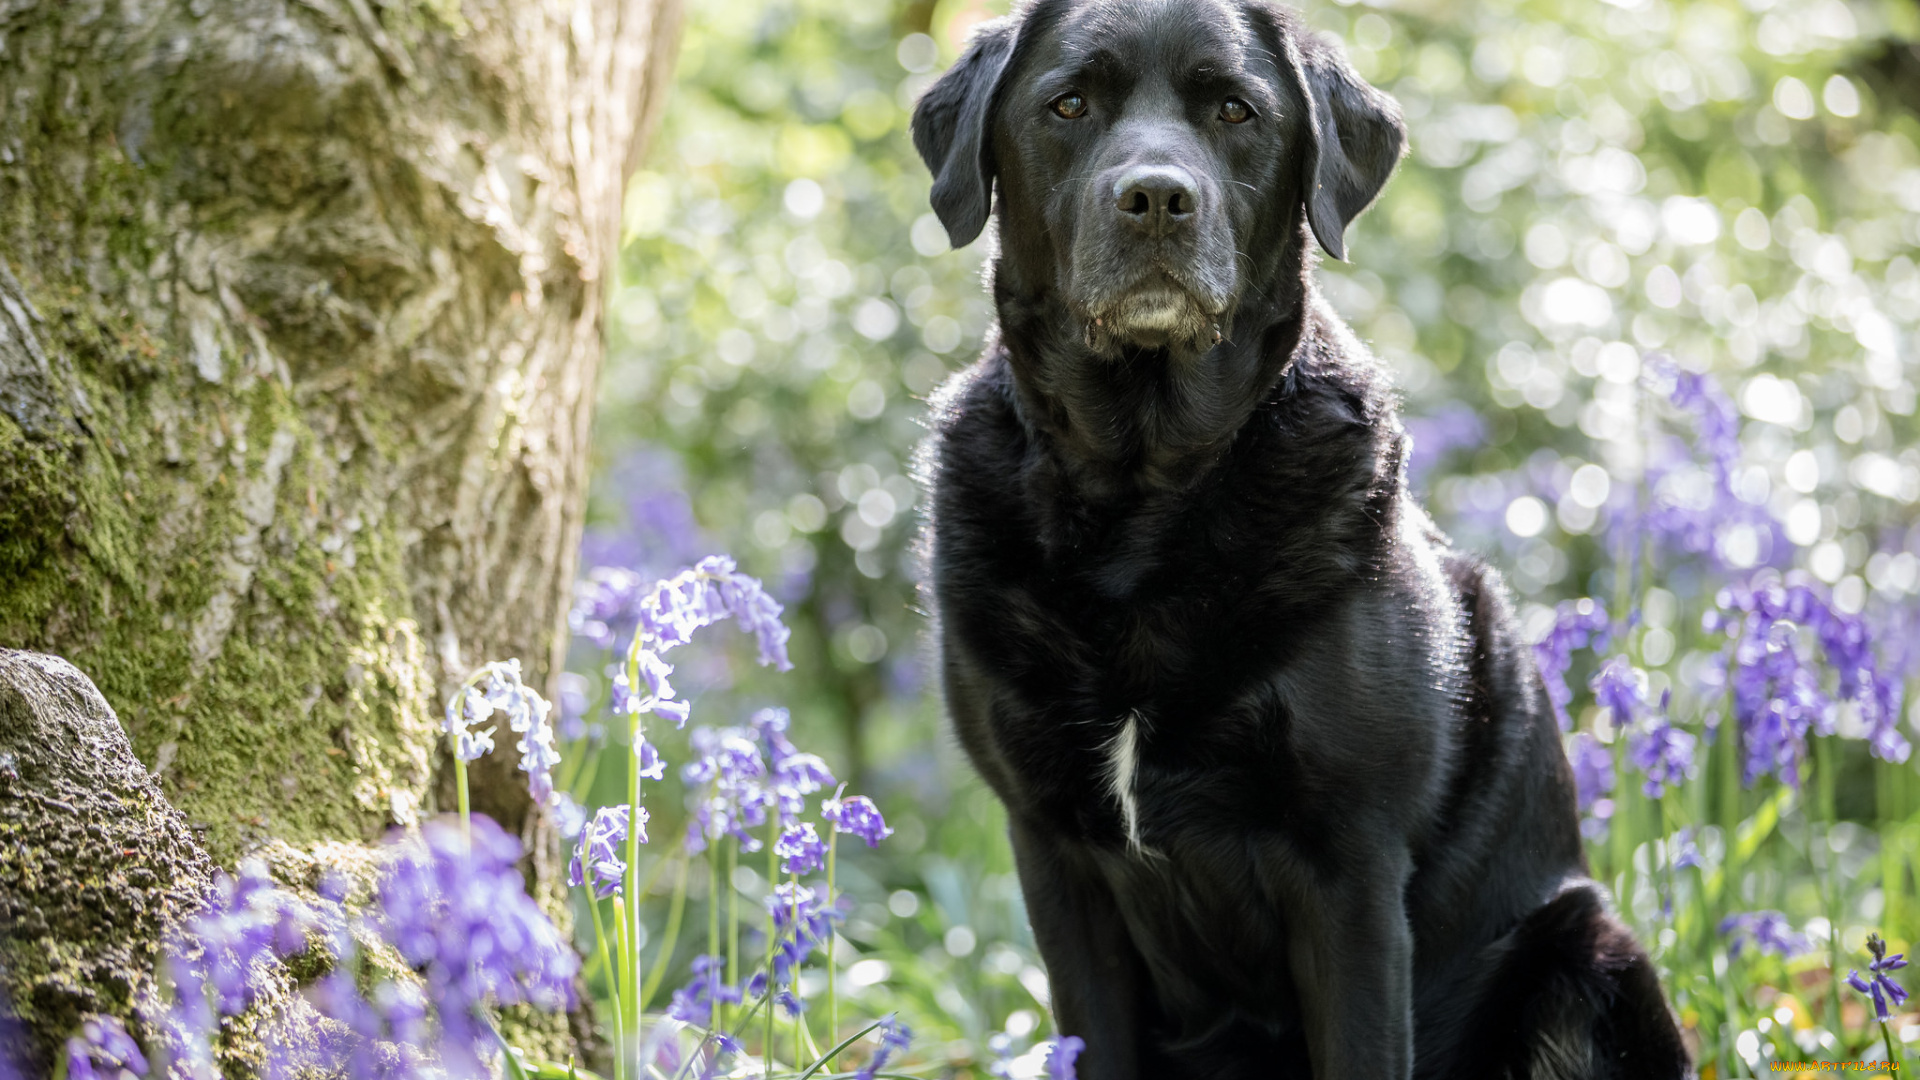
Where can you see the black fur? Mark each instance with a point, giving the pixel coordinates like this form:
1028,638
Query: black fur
1354,850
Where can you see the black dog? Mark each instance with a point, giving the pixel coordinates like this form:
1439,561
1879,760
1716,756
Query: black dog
1285,795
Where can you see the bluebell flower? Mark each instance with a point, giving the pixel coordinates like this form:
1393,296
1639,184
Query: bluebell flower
857,815
796,777
597,856
352,1049
1692,506
460,915
1621,687
1682,849
728,760
654,672
802,925
104,1051
693,1003
801,849
498,687
894,1038
1576,624
1663,753
1879,985
606,604
712,590
1776,688
651,765
1592,782
219,956
1768,931
1060,1058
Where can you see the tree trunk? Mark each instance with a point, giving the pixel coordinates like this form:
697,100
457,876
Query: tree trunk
300,315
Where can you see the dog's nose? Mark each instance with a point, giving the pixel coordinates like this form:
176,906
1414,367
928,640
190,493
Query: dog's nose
1155,198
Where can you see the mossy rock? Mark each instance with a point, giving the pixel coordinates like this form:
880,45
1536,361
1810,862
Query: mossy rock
95,864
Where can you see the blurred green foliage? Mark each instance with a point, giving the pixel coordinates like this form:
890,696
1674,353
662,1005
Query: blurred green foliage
1736,185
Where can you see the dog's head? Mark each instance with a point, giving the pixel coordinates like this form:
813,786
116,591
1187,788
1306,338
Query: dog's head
1154,157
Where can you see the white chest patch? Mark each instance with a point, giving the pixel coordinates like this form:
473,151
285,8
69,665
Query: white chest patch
1123,766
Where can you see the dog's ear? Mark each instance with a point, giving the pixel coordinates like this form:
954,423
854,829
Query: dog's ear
1357,139
950,131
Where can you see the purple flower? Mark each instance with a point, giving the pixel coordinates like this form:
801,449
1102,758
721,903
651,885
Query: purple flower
104,1051
381,1039
801,848
1682,850
1769,931
1880,986
1621,687
1576,624
1060,1058
1662,752
654,672
215,962
651,765
802,924
460,915
1777,690
857,815
607,597
598,854
728,759
796,777
1592,782
795,774
498,687
894,1037
1691,506
693,1003
712,590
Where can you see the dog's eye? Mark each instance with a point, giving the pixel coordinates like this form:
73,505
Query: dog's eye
1071,106
1235,111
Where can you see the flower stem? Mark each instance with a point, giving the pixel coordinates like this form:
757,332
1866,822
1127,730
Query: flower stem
460,787
773,875
1893,1055
733,916
799,1051
613,983
833,999
713,924
636,734
669,937
623,946
1823,777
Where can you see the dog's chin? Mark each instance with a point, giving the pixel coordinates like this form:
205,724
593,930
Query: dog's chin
1156,317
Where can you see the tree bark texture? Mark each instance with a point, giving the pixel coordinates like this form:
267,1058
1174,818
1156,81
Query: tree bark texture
300,315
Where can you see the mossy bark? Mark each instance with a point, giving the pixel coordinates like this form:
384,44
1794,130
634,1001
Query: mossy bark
300,316
298,337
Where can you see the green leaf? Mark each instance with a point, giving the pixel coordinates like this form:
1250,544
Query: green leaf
844,1043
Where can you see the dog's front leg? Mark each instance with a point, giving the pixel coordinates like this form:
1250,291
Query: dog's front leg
1351,950
1093,970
